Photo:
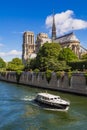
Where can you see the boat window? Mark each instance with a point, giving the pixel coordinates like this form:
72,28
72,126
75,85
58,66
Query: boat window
45,98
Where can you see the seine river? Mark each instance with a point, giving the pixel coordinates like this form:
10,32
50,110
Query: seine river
17,111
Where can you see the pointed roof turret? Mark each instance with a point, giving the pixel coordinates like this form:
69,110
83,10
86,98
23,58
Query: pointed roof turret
53,28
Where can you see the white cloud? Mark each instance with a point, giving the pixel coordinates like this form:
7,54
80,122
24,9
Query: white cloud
11,53
65,22
7,56
14,52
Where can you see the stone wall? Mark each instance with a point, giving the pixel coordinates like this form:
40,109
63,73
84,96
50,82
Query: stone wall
76,84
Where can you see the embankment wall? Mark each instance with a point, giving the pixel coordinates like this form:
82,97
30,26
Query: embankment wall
76,84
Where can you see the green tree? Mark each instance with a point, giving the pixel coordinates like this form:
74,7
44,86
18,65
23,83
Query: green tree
66,54
48,53
48,74
15,64
30,64
49,49
84,57
2,63
56,65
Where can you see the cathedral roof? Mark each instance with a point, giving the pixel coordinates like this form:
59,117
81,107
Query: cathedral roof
67,38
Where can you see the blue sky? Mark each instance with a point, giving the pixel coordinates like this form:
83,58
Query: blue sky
17,16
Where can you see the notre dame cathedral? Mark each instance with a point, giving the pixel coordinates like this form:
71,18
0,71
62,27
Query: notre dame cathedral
31,47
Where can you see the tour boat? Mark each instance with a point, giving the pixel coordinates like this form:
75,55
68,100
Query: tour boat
52,102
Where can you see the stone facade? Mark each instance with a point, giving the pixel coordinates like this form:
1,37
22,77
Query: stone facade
41,39
31,48
28,46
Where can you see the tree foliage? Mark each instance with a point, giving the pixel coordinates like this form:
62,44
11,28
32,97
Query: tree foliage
47,58
49,50
15,64
30,64
51,56
66,54
48,74
56,65
47,54
84,57
78,65
2,63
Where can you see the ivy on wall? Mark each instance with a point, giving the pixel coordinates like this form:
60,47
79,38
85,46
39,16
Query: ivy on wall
69,76
18,75
48,74
58,74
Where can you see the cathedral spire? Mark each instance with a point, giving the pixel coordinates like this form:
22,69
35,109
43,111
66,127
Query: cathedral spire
53,28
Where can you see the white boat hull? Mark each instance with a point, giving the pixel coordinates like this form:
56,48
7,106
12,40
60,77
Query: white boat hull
53,102
52,106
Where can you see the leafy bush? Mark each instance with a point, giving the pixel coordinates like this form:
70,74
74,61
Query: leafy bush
18,74
78,65
15,64
36,72
58,74
66,54
48,74
69,76
2,63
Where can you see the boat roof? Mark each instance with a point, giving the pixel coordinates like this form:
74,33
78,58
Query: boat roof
48,95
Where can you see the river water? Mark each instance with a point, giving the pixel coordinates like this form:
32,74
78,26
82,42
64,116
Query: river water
17,111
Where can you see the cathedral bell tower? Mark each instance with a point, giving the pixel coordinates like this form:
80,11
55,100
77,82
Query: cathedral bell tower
53,29
28,46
